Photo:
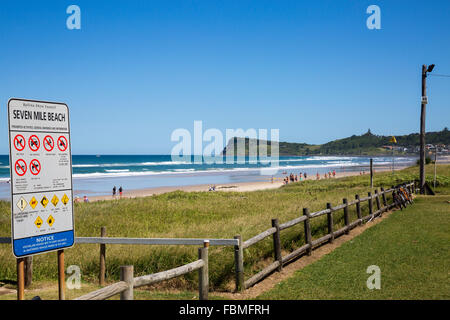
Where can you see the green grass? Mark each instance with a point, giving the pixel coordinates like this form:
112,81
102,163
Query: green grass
410,247
199,215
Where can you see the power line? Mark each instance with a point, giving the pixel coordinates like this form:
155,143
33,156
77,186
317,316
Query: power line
439,75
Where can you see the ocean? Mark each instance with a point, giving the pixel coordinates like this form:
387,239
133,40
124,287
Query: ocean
97,174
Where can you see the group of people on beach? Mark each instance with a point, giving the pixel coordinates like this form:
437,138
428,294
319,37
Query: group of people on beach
327,175
85,199
114,190
295,178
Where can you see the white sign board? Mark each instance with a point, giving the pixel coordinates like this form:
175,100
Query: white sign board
41,176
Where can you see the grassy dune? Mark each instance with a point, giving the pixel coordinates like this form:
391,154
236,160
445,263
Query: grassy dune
199,215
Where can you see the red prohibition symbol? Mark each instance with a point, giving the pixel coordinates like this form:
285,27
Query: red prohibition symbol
34,143
35,167
20,167
19,142
49,143
62,143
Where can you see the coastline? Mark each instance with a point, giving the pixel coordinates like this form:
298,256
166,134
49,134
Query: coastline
241,181
227,187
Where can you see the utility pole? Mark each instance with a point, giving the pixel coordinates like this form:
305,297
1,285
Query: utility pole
422,131
422,126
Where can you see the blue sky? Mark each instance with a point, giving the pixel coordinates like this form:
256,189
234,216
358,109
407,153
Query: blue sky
137,70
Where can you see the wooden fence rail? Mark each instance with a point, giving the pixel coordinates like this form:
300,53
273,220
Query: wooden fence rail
382,205
113,289
145,241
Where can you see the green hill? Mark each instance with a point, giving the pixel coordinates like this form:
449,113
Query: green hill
365,144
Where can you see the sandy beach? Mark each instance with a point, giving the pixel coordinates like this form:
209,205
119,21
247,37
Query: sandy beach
234,187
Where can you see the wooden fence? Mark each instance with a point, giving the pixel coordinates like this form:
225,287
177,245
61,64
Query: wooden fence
103,241
128,282
310,244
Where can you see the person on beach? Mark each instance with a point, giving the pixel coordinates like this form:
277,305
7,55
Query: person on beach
305,175
120,191
325,175
296,178
317,176
334,173
114,192
85,199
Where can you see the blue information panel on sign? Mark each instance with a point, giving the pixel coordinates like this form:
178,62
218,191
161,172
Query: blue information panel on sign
38,244
41,177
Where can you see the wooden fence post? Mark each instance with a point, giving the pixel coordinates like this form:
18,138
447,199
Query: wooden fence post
28,271
203,279
61,275
239,264
346,219
308,238
358,208
370,204
127,275
330,222
277,244
371,173
101,276
383,196
20,279
392,195
377,199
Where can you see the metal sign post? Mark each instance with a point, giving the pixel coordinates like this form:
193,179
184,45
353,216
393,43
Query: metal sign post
41,180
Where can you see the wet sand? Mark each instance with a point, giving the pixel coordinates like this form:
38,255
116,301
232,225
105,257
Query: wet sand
236,187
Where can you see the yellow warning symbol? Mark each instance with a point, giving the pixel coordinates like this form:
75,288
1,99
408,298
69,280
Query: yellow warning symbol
22,204
50,220
38,222
65,199
44,201
33,202
55,200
